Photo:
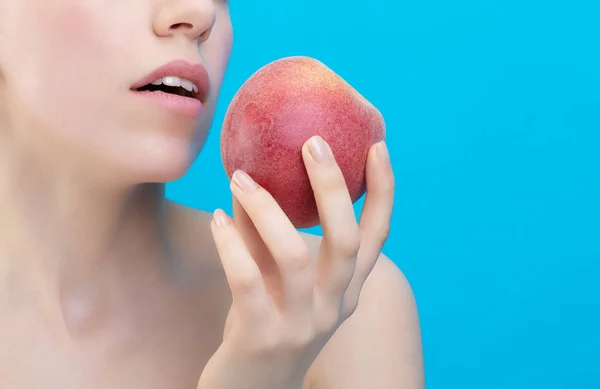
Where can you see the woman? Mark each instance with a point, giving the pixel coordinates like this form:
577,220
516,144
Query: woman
106,284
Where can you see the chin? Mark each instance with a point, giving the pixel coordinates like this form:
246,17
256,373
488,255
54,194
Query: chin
169,171
157,151
166,162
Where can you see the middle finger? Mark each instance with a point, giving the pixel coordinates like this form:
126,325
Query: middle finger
341,235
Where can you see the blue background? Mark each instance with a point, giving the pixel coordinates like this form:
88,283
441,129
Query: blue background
493,118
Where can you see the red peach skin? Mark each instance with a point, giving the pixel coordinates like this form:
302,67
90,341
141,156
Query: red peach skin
277,110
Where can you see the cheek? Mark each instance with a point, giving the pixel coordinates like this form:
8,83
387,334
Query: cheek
217,54
64,56
76,43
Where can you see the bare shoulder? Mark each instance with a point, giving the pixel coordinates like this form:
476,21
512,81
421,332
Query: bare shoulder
378,347
192,245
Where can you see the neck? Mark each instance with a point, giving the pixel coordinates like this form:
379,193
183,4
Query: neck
65,235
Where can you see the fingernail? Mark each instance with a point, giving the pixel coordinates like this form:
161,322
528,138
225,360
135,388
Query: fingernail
319,150
383,152
243,180
221,218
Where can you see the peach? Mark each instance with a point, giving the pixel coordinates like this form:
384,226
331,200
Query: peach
277,110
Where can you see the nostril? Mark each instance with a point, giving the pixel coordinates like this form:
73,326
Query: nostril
179,25
190,29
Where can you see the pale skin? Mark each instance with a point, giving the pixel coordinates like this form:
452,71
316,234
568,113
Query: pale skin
105,284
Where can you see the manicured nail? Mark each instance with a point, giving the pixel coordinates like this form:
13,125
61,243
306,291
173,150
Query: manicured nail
319,150
221,218
243,180
383,153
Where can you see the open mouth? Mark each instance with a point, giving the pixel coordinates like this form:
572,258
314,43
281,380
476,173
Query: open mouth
179,86
172,85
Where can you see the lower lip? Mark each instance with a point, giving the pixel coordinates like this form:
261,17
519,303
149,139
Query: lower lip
180,105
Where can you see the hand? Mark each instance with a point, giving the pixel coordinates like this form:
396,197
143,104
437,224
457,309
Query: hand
286,305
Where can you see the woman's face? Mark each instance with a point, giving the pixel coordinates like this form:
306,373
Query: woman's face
67,68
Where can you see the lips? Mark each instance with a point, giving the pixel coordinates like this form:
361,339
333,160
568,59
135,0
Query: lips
195,73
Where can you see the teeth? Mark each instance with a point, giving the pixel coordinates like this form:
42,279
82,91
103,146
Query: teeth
175,82
187,85
172,81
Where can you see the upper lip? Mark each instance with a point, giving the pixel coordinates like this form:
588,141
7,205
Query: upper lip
195,73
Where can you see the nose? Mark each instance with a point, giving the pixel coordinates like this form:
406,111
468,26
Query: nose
193,19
